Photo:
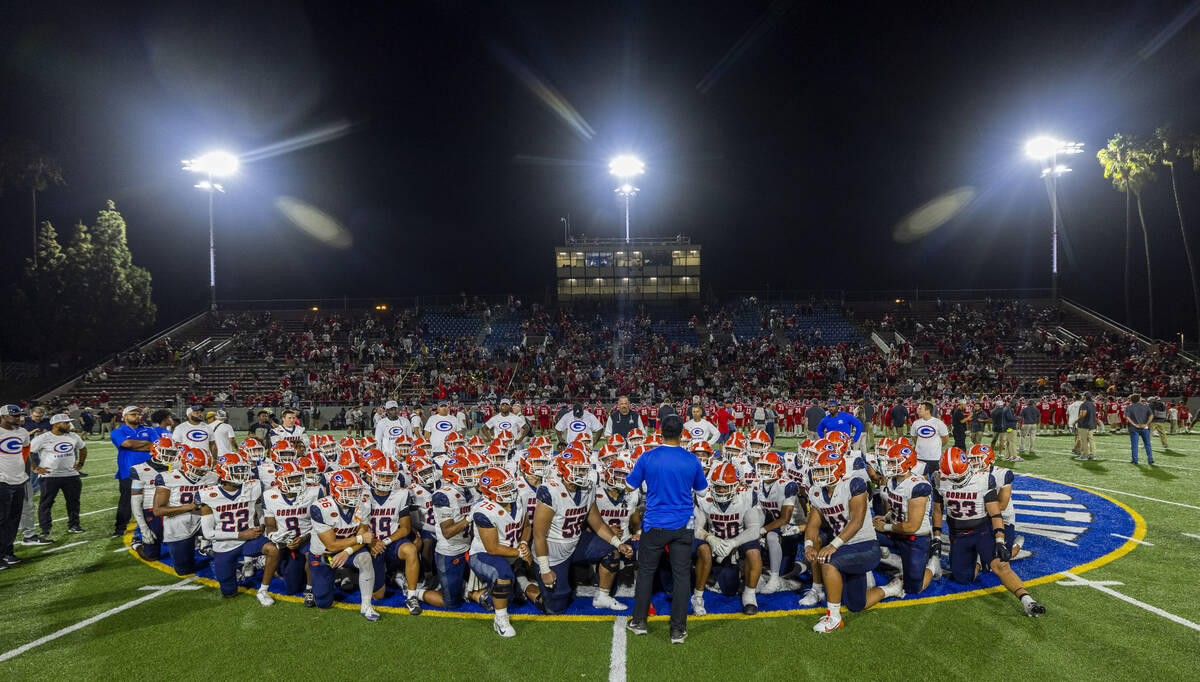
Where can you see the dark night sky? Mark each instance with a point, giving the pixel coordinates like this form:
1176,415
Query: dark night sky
788,139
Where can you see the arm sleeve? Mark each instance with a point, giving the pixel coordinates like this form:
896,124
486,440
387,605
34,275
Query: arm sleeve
922,490
751,526
208,526
790,492
543,495
701,522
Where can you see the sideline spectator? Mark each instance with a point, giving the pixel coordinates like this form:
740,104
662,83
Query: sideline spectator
133,443
58,455
1030,416
812,419
724,416
959,419
700,428
1085,425
839,421
261,429
622,420
1139,417
1160,423
1005,419
13,480
931,435
979,422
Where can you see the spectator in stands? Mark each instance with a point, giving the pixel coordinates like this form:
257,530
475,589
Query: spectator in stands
623,419
133,443
1138,416
1085,425
1030,416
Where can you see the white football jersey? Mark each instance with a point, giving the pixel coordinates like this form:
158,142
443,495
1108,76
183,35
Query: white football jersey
1004,477
421,501
327,514
966,502
295,435
527,497
453,504
726,520
504,518
386,510
143,480
233,510
570,517
835,507
265,472
182,491
291,513
899,492
617,511
775,496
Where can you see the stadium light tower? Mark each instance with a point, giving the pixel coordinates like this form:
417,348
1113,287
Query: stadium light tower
626,167
218,164
1047,150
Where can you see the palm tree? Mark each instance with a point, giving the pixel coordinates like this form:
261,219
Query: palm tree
1126,161
1170,147
25,166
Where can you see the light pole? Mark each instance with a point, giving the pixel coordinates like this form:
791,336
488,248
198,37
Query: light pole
212,165
626,167
1047,150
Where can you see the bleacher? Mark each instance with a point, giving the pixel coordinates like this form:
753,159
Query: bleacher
442,324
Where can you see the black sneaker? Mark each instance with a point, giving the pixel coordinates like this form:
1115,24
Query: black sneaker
309,600
414,606
677,636
635,627
75,529
29,540
43,539
11,560
118,533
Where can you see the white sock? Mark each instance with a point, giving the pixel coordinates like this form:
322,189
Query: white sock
1025,598
412,593
698,593
601,592
263,588
308,588
366,576
835,611
748,596
502,613
774,553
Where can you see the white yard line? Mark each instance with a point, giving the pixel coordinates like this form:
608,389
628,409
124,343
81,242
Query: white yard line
96,618
616,659
1077,580
1192,536
62,547
1126,537
98,511
1108,490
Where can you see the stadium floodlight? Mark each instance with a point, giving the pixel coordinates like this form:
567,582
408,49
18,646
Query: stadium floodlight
626,167
1047,150
215,164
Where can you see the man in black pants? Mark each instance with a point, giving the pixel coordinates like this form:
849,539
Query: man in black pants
671,475
59,455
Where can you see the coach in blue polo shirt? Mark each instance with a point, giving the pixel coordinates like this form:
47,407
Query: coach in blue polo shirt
133,443
839,421
671,475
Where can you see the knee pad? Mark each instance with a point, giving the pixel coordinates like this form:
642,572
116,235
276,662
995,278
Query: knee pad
502,590
611,562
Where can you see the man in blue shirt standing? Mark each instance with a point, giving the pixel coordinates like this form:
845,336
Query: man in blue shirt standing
133,443
671,475
839,421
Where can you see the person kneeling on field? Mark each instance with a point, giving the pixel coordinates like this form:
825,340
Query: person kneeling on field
728,520
341,535
846,562
286,506
905,527
499,521
391,523
972,510
226,514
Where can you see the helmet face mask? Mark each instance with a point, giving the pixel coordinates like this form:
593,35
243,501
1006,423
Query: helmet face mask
235,474
291,484
724,481
165,454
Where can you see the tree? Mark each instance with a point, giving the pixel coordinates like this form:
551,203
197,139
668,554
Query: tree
40,299
1126,161
1168,148
25,167
121,302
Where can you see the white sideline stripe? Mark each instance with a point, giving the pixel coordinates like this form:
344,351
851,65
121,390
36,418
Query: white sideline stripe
122,549
84,623
1130,600
1156,464
98,511
62,547
1118,492
1192,536
184,588
616,660
1094,582
1126,537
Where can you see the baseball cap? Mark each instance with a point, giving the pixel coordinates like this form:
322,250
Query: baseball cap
222,415
577,410
391,405
131,408
195,408
443,403
60,418
12,410
505,401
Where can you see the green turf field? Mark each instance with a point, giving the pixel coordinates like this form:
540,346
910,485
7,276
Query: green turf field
92,589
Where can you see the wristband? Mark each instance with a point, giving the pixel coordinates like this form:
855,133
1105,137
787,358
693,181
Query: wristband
543,563
349,550
387,541
837,542
614,541
887,527
808,543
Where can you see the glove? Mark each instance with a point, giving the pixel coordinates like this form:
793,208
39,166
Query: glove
722,549
282,536
713,542
1002,552
790,530
935,546
148,536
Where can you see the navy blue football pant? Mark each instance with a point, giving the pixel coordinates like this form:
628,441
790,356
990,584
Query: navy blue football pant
389,558
322,575
913,551
225,564
151,550
965,547
726,572
452,571
491,568
291,566
183,555
853,562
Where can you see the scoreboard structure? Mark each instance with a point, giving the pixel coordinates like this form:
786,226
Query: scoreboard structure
642,269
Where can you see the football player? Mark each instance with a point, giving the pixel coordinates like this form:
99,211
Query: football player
229,516
565,505
341,535
391,523
728,524
452,528
976,526
840,500
423,480
777,498
176,503
905,527
163,454
620,510
286,507
983,459
496,543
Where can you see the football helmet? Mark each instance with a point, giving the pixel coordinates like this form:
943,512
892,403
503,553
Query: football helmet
283,451
653,440
346,443
615,473
253,450
542,443
164,452
769,467
574,468
460,472
883,446
724,479
453,441
403,444
829,468
350,459
982,457
757,444
383,473
477,445
290,478
607,454
423,446
638,452
735,445
533,465
346,487
194,462
897,461
233,468
635,438
494,454
497,485
423,471
312,466
955,466
618,443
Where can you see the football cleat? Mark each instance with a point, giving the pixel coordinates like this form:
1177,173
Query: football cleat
309,600
604,601
827,624
369,612
771,586
1034,609
264,598
677,636
698,605
502,627
413,605
814,596
635,627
